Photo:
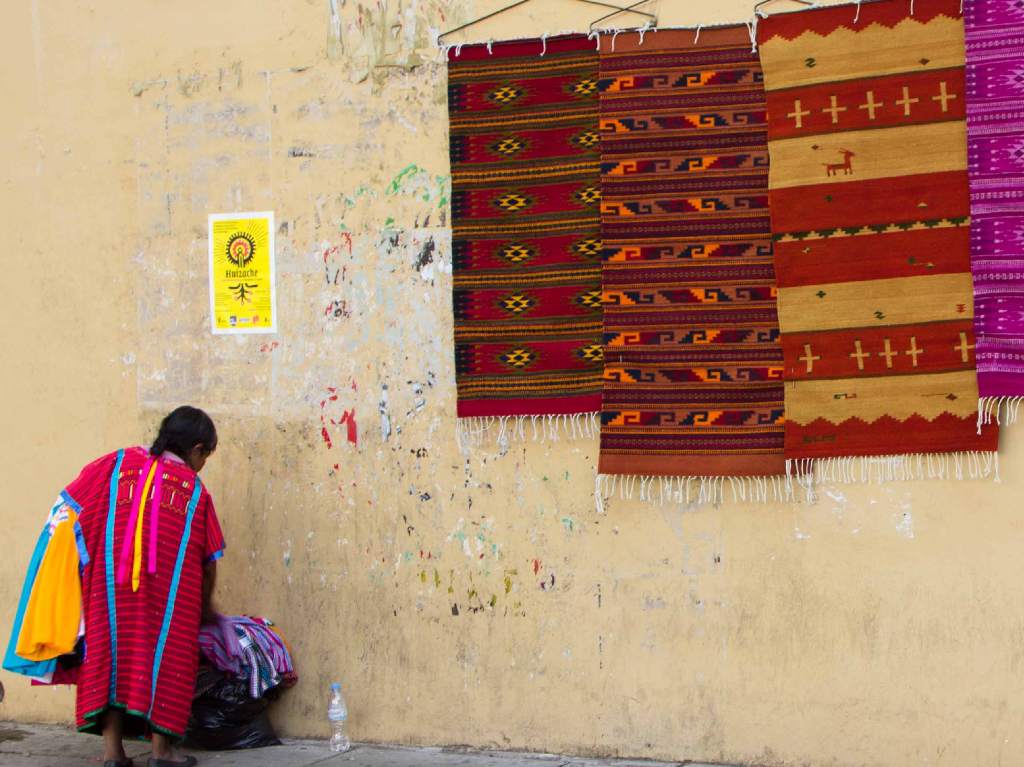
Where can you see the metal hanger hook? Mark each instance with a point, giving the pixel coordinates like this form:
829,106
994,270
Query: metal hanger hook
762,3
652,19
617,10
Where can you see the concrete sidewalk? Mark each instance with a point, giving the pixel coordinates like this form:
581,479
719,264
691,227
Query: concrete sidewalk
23,745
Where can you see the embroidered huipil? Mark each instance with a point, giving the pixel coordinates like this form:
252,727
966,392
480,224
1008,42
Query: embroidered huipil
142,587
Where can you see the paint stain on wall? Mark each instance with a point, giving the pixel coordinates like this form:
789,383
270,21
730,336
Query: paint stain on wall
328,421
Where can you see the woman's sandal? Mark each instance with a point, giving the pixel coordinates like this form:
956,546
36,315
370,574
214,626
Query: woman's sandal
119,763
190,761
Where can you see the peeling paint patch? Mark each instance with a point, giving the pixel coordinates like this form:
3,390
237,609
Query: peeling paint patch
385,415
425,257
905,526
191,83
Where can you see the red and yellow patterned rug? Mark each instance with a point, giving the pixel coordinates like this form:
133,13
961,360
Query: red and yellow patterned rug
870,212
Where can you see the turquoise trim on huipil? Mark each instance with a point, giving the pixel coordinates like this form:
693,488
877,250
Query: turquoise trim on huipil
71,501
109,550
172,592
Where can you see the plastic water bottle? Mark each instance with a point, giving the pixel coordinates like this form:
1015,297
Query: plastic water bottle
337,715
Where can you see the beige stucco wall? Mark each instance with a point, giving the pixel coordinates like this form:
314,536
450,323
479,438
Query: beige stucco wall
879,626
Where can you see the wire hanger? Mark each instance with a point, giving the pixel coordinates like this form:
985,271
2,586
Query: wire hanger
763,15
813,4
618,9
652,19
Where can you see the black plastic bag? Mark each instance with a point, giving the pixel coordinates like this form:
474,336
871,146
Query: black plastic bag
225,717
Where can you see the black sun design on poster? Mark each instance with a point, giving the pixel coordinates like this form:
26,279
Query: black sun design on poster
241,249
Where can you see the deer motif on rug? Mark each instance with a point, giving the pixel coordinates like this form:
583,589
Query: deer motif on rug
846,166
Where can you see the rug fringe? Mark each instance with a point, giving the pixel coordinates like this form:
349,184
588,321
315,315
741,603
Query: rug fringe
1001,410
506,429
691,491
808,473
802,477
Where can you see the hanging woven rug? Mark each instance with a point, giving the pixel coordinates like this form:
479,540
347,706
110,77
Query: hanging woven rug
995,155
870,214
526,238
693,390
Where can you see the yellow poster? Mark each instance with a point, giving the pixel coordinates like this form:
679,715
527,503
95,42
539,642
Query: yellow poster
242,297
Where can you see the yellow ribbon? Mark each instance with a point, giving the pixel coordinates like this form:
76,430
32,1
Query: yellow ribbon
137,553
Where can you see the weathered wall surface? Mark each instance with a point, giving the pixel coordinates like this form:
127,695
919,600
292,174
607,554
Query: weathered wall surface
462,597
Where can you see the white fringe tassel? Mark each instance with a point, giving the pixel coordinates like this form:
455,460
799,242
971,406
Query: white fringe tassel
506,429
803,477
691,491
809,473
1000,410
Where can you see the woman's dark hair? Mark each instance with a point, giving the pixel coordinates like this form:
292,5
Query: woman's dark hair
183,429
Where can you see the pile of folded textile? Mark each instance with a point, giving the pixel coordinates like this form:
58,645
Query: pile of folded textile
250,649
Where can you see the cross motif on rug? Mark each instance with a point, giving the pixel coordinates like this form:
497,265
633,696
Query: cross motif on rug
963,347
798,113
944,96
834,109
906,102
809,358
860,354
871,105
914,351
888,353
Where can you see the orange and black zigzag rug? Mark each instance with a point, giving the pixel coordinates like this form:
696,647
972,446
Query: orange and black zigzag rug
693,365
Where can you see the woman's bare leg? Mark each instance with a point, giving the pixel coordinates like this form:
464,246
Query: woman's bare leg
113,729
163,747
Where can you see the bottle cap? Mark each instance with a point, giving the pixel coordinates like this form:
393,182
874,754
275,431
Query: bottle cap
335,686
